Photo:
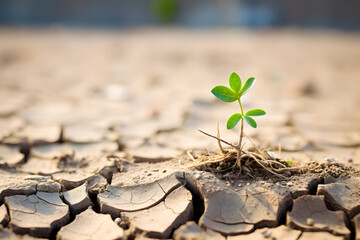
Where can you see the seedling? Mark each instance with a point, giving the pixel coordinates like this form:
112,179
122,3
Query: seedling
247,162
232,94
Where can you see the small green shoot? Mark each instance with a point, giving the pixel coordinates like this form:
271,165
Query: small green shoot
232,94
289,161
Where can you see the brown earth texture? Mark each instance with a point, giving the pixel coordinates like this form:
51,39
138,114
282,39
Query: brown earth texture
99,134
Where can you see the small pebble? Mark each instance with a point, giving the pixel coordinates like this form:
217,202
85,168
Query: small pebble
198,176
290,184
111,158
116,92
247,184
277,184
310,222
272,155
239,185
266,234
118,220
330,159
262,182
350,160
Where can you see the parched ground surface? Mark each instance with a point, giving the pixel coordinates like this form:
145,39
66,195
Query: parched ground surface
97,128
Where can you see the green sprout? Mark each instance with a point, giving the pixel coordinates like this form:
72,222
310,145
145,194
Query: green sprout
289,161
232,94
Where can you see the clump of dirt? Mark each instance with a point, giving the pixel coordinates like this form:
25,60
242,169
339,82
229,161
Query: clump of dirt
331,169
264,164
251,164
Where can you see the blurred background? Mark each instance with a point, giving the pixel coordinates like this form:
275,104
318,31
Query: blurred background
199,13
140,73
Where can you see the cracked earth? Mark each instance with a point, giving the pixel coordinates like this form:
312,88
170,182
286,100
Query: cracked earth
97,128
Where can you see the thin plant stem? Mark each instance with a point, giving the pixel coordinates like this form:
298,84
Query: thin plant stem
241,108
241,131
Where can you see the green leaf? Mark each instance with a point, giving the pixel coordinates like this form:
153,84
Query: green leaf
224,94
255,112
233,120
249,84
235,82
289,161
250,121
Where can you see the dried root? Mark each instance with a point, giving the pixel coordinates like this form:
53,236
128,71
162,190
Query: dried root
260,161
247,163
